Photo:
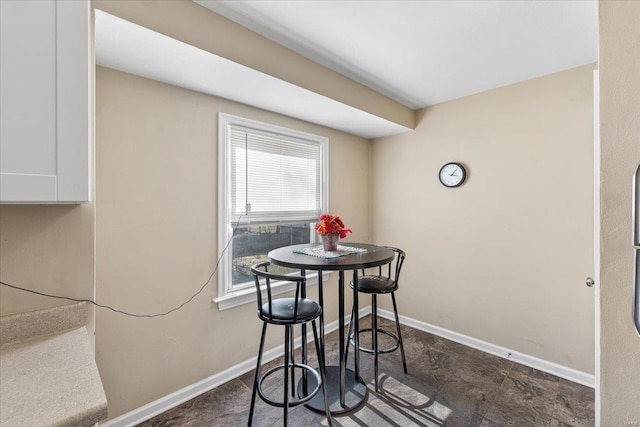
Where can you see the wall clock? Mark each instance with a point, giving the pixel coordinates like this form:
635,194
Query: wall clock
452,174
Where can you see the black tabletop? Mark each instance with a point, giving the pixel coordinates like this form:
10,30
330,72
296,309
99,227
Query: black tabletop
373,257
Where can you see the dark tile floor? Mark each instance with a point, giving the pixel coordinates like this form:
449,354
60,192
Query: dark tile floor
448,385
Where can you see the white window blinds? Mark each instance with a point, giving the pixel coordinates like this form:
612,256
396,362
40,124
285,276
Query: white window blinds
272,186
274,177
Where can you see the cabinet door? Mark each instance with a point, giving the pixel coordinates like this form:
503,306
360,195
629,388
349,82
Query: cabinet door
44,101
28,100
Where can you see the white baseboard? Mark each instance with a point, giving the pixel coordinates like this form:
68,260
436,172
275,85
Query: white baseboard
172,400
165,403
524,359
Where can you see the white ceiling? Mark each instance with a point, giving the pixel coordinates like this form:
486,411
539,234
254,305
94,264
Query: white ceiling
419,53
422,53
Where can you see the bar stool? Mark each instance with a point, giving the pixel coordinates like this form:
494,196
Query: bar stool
287,312
377,285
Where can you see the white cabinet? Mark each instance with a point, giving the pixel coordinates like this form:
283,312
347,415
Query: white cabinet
45,109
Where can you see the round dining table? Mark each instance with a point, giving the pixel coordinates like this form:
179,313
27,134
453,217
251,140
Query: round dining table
346,390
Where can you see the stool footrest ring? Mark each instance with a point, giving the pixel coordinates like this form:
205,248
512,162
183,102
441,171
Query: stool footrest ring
301,400
370,350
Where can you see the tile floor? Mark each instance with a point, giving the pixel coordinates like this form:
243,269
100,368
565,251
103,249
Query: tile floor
448,385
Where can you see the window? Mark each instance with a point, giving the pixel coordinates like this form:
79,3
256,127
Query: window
272,188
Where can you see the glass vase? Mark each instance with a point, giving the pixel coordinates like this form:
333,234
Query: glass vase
330,242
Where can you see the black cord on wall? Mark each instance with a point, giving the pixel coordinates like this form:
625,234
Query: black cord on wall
115,310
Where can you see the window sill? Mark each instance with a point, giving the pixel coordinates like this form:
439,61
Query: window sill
245,296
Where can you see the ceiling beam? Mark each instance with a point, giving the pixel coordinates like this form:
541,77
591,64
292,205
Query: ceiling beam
196,25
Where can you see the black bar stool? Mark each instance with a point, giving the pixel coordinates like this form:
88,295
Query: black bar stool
287,312
377,285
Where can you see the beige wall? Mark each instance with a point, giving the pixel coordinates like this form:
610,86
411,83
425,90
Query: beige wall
504,257
156,235
620,154
47,248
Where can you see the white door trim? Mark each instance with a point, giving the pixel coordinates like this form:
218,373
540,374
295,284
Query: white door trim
596,235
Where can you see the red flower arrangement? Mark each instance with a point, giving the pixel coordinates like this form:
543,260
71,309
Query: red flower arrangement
332,224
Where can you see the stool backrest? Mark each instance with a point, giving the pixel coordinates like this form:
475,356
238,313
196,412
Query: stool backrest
261,271
394,266
400,256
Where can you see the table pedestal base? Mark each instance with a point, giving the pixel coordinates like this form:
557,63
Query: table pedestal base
355,392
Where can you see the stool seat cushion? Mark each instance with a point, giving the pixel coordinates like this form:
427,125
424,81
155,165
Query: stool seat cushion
283,308
376,285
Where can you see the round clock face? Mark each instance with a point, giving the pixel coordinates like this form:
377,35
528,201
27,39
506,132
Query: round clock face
452,175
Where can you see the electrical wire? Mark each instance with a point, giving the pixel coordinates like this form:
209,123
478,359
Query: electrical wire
115,310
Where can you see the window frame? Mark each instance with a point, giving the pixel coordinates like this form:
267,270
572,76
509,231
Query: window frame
227,296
